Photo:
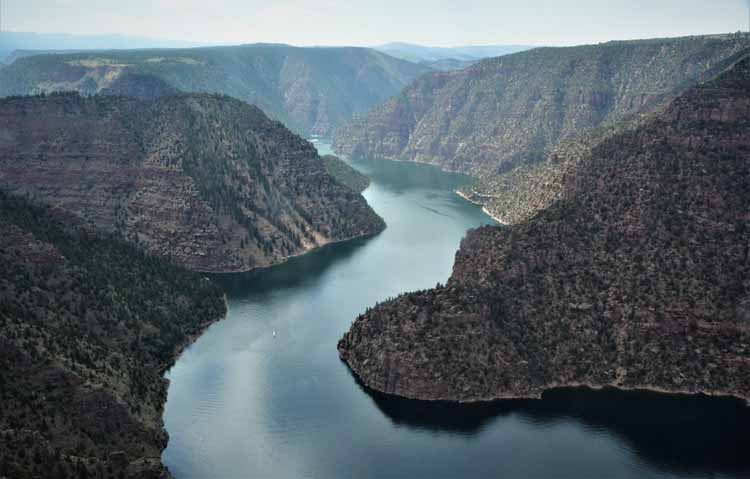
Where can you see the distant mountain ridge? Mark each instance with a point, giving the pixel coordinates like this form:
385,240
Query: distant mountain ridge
507,114
11,41
447,58
420,53
205,180
311,90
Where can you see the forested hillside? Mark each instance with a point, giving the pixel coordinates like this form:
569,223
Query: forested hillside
503,118
206,180
636,277
88,324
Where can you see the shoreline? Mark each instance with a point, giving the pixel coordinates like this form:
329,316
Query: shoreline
192,338
484,208
497,219
285,259
204,326
189,341
555,387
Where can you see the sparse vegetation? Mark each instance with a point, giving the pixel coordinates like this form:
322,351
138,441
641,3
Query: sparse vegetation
345,175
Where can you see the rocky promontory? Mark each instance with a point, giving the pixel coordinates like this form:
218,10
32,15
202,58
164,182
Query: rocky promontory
636,277
207,181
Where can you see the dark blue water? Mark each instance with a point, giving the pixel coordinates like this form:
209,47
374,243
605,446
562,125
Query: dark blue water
245,403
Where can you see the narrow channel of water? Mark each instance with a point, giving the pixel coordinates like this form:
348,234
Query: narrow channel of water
245,403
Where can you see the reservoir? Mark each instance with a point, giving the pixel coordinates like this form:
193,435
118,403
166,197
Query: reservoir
263,394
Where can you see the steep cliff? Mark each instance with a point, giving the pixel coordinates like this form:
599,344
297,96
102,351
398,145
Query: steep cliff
311,90
503,117
205,180
88,324
636,277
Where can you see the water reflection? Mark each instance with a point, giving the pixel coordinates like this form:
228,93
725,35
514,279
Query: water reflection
439,416
294,273
685,435
400,177
264,394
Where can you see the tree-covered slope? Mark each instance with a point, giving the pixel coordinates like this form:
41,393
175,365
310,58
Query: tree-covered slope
345,174
206,180
636,277
515,111
311,90
88,324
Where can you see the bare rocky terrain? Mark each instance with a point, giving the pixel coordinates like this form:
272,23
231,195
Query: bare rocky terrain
635,276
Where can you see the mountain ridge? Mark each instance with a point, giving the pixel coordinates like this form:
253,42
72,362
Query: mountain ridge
635,277
310,89
205,180
505,115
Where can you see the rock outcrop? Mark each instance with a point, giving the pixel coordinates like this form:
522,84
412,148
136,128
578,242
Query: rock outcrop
635,277
311,90
511,120
88,325
207,181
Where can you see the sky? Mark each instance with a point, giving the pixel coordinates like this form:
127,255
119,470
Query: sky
368,23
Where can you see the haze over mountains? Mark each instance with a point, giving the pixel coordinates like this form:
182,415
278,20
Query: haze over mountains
447,58
11,41
311,90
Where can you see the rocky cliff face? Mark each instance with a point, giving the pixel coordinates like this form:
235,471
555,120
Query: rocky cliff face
503,117
207,181
87,327
636,277
311,90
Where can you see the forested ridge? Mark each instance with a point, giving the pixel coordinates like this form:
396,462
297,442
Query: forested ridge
510,121
636,277
206,180
89,324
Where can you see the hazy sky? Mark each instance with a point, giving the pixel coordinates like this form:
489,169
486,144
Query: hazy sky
361,22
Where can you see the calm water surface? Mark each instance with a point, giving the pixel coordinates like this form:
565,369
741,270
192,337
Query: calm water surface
243,403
